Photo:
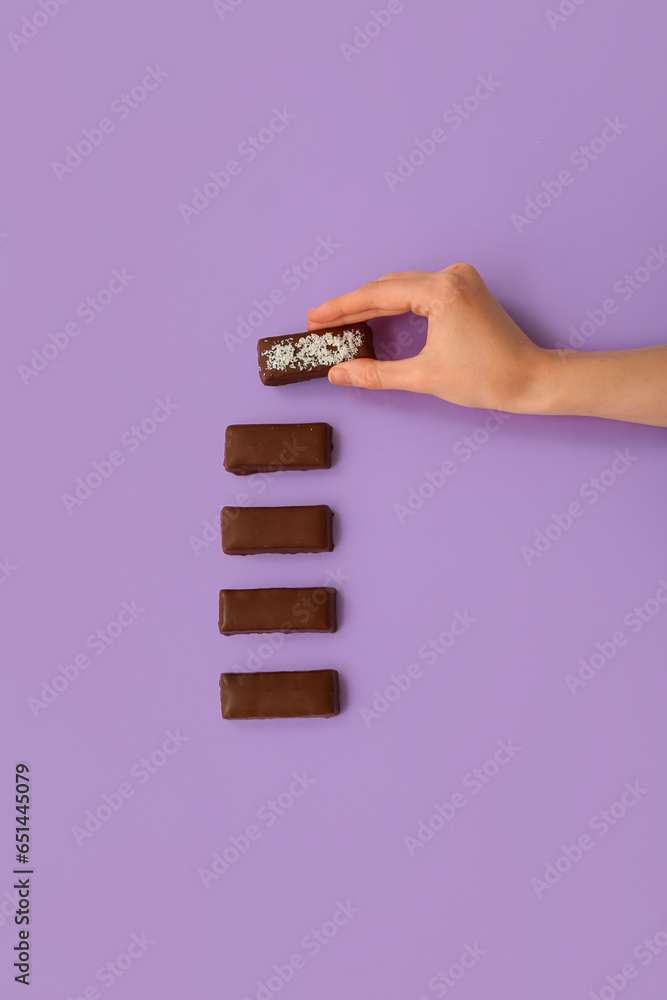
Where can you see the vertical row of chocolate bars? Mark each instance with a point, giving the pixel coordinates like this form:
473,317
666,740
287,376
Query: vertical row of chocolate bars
253,448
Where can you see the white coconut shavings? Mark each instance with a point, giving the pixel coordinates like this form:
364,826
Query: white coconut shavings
313,350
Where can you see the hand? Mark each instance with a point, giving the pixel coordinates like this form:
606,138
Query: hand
475,354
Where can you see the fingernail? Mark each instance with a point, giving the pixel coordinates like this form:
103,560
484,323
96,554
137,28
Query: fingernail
338,376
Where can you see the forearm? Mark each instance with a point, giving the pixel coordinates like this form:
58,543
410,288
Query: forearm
620,385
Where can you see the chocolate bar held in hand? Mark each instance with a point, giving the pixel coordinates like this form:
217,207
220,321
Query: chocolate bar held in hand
280,694
253,530
302,356
278,609
272,447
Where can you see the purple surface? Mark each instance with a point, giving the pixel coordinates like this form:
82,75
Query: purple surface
168,334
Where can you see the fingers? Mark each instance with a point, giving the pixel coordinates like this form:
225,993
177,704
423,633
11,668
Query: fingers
387,297
342,320
405,274
369,374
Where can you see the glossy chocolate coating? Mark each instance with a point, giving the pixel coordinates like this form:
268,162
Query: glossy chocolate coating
278,609
271,447
281,694
254,530
302,356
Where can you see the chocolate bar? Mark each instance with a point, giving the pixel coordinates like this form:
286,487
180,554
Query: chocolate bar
280,694
252,530
272,447
278,609
302,356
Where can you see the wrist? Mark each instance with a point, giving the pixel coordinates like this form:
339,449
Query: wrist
540,383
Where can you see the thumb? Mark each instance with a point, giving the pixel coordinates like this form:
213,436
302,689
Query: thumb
368,373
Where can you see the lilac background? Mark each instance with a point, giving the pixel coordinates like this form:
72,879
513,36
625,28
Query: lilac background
134,538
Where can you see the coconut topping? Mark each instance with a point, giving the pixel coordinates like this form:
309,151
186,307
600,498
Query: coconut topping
313,349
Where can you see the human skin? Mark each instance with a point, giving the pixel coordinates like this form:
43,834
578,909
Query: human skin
476,355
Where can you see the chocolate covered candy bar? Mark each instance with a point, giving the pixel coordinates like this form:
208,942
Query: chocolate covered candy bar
302,356
252,530
278,609
270,447
280,694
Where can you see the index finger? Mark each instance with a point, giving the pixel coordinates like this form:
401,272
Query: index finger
386,297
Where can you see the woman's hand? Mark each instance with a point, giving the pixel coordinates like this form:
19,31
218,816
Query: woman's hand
476,355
